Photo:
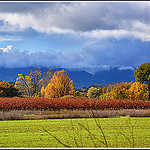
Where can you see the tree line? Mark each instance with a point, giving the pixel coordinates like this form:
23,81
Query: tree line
56,84
52,85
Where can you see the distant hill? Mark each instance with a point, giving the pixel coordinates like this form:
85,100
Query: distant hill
104,77
80,77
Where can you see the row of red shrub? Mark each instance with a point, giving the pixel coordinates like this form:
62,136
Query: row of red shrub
71,103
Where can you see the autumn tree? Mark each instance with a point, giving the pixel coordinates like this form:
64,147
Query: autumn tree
138,91
23,83
60,85
132,91
142,74
109,87
42,92
35,75
32,82
118,91
29,84
46,76
8,90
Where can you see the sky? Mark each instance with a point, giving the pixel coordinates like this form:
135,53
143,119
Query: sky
74,34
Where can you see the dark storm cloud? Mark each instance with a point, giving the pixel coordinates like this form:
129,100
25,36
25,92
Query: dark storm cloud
22,7
76,16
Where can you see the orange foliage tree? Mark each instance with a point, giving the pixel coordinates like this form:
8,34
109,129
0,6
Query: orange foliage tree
109,87
132,91
138,91
118,91
60,85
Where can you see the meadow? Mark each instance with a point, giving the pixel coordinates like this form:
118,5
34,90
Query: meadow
117,132
74,122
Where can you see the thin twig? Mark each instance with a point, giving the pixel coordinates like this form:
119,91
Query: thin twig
74,134
56,138
131,130
98,124
91,134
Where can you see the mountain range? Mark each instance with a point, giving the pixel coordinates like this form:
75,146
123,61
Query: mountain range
82,77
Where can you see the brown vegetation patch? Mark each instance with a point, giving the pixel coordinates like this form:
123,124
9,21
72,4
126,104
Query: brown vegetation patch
64,114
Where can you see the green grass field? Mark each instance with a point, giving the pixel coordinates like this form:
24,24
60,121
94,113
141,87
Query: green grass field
116,132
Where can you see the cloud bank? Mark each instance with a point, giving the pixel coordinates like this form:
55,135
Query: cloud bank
114,33
97,19
100,54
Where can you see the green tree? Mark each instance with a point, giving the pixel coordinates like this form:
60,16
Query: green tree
95,86
142,75
94,92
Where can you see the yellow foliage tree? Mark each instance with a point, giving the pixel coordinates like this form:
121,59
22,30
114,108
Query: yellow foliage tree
46,76
138,91
132,91
121,91
42,91
23,83
29,84
118,91
60,85
35,75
